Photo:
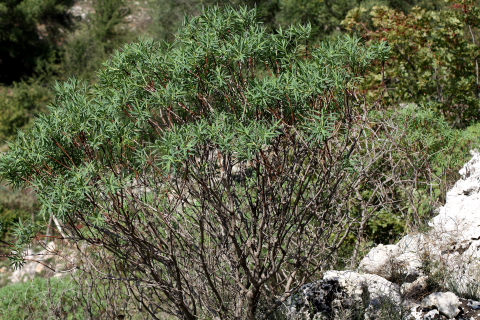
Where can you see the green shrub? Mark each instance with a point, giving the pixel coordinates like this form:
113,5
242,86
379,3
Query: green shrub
83,54
169,15
213,171
93,41
109,16
327,16
422,162
435,57
15,205
410,155
37,299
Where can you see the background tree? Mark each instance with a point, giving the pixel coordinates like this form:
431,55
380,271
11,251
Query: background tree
168,15
326,16
435,57
53,54
94,40
29,30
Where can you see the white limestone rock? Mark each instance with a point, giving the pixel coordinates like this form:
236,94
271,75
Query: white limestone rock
33,266
381,260
356,283
393,262
410,265
459,218
452,245
342,290
446,303
456,229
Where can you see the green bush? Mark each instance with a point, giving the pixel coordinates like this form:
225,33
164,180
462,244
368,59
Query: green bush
435,57
93,41
15,205
213,172
327,16
37,299
410,155
420,167
82,53
109,15
168,15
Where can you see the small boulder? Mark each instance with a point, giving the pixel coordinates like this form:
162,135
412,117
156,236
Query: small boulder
446,303
381,261
355,284
343,290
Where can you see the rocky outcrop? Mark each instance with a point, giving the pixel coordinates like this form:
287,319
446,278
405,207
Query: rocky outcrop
343,291
445,257
451,248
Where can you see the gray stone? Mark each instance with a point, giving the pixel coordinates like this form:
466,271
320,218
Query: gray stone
446,303
355,285
342,290
381,261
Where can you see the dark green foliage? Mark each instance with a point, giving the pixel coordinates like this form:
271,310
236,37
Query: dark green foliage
15,205
28,34
418,168
82,52
109,14
82,55
435,57
326,16
32,300
92,42
168,15
410,155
